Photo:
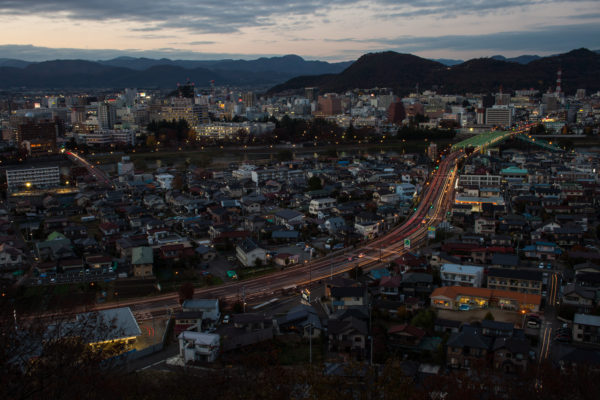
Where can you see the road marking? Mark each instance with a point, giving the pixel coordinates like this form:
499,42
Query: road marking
152,365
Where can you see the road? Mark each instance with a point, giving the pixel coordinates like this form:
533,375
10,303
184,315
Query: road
95,172
437,199
551,323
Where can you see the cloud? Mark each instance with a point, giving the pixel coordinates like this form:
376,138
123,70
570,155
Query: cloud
193,15
35,53
201,16
545,40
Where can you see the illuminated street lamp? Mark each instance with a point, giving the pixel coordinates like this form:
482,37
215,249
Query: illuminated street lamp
27,185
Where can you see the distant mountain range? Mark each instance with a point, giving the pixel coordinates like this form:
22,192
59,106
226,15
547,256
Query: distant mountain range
401,73
162,73
389,69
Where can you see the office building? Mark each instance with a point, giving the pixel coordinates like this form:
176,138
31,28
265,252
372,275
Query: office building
39,138
498,116
106,116
330,104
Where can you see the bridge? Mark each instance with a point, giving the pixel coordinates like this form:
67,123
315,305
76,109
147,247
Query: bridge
490,138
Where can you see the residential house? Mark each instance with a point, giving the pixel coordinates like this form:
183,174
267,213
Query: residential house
245,330
288,218
248,252
467,348
390,285
198,346
286,259
544,251
511,354
405,336
108,228
187,321
99,263
582,297
348,335
321,205
208,307
586,329
347,297
446,325
417,284
303,320
334,225
10,257
206,253
142,261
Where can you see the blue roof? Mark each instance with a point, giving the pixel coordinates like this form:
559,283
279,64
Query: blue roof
284,234
379,273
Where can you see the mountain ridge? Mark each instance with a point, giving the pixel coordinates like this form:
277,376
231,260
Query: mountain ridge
581,69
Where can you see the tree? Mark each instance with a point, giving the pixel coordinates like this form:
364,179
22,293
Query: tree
186,292
285,155
314,183
151,141
488,316
424,319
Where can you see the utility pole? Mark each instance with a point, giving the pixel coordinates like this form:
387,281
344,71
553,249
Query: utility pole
310,342
244,299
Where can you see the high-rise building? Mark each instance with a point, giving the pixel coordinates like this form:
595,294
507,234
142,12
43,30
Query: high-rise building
311,93
249,99
498,116
502,99
106,115
38,137
330,104
186,90
432,151
396,113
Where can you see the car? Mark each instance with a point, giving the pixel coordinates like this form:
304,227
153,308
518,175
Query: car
563,338
205,273
548,266
533,324
361,255
541,266
544,293
226,319
300,244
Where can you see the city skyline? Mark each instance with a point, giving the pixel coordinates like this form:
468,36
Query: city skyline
36,30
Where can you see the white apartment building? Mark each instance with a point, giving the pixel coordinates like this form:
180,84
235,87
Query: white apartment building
107,137
32,178
277,174
324,204
165,181
480,180
461,275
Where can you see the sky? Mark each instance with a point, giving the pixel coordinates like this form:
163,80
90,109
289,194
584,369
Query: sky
329,30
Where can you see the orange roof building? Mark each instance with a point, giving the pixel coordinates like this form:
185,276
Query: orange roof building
465,298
